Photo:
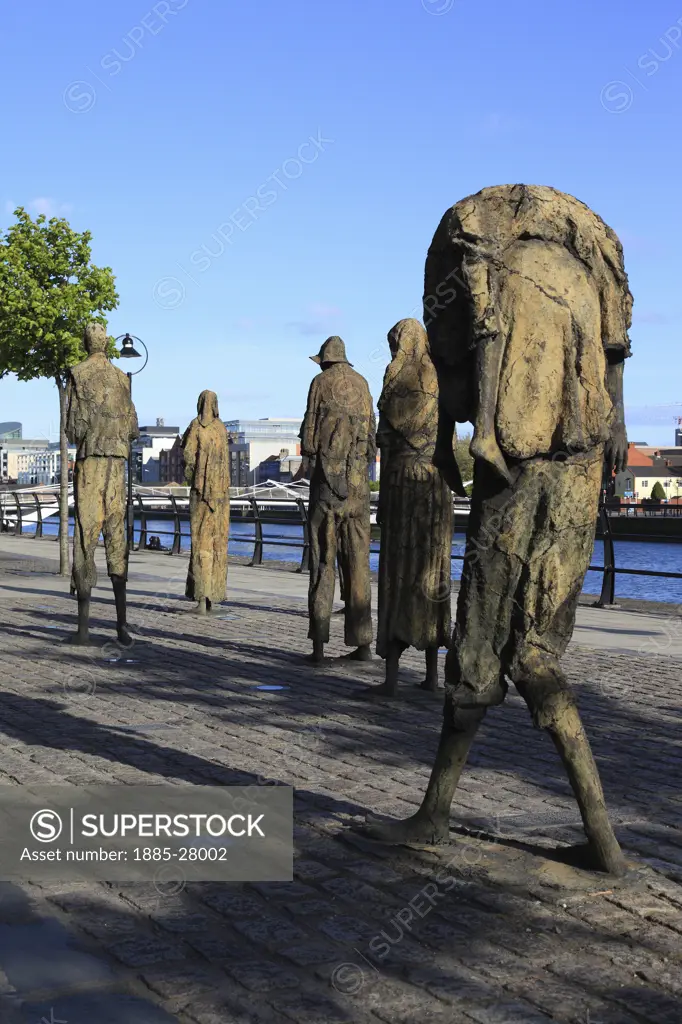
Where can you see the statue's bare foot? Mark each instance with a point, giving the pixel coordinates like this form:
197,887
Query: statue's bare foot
419,830
385,690
431,685
317,657
362,653
489,452
587,857
124,637
80,640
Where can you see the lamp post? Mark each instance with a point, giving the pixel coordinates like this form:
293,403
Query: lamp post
128,351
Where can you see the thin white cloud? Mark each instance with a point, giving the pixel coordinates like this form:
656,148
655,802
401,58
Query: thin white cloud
47,206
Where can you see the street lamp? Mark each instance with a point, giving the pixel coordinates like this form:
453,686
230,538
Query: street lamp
128,351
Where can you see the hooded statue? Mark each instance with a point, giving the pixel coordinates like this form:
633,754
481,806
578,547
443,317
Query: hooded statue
415,511
207,471
530,347
101,422
338,446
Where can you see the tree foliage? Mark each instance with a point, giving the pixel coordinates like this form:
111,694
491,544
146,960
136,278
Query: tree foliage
49,292
465,460
657,491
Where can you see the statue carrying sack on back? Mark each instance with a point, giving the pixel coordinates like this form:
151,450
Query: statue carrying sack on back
531,351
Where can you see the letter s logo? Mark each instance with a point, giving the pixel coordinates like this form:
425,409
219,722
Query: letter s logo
46,826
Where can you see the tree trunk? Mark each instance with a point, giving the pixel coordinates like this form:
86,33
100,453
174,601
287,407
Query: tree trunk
64,568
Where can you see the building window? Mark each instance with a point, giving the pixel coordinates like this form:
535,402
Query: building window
645,483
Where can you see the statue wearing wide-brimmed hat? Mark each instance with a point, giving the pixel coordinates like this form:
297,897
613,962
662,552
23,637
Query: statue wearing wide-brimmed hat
338,446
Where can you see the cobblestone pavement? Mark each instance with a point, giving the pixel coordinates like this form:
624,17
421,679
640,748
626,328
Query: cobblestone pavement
491,929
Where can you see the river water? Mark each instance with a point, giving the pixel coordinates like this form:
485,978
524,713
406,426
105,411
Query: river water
651,556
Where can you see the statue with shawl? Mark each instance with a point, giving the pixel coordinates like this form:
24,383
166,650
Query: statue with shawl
415,511
207,471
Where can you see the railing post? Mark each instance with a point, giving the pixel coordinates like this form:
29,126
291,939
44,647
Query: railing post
258,540
18,526
39,514
305,522
142,543
175,550
608,588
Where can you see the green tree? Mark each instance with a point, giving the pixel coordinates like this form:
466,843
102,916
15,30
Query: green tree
657,491
464,460
49,292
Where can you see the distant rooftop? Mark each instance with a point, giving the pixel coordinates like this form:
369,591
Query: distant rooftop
10,429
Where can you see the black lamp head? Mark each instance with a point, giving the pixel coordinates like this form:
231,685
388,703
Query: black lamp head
128,350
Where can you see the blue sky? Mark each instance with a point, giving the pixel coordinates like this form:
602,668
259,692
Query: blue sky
179,132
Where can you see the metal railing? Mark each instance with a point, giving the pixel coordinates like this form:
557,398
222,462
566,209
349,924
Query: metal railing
19,508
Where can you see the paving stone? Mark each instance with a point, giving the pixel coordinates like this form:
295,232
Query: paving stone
263,976
316,952
270,931
311,1008
343,928
142,952
268,953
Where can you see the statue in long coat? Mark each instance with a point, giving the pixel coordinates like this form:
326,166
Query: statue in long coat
338,445
101,422
531,350
207,471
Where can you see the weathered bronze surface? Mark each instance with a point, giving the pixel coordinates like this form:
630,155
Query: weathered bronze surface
415,511
338,445
530,348
207,471
100,422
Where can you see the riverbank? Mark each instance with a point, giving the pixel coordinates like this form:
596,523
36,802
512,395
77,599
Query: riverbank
24,555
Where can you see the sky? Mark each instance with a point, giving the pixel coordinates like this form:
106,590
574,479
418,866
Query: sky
262,175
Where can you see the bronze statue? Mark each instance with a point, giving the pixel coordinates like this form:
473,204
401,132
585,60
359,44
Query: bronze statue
415,512
531,350
207,471
338,446
101,422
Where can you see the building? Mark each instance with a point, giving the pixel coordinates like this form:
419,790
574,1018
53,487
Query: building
147,450
273,449
12,445
644,470
43,466
671,456
172,464
239,461
263,440
10,431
